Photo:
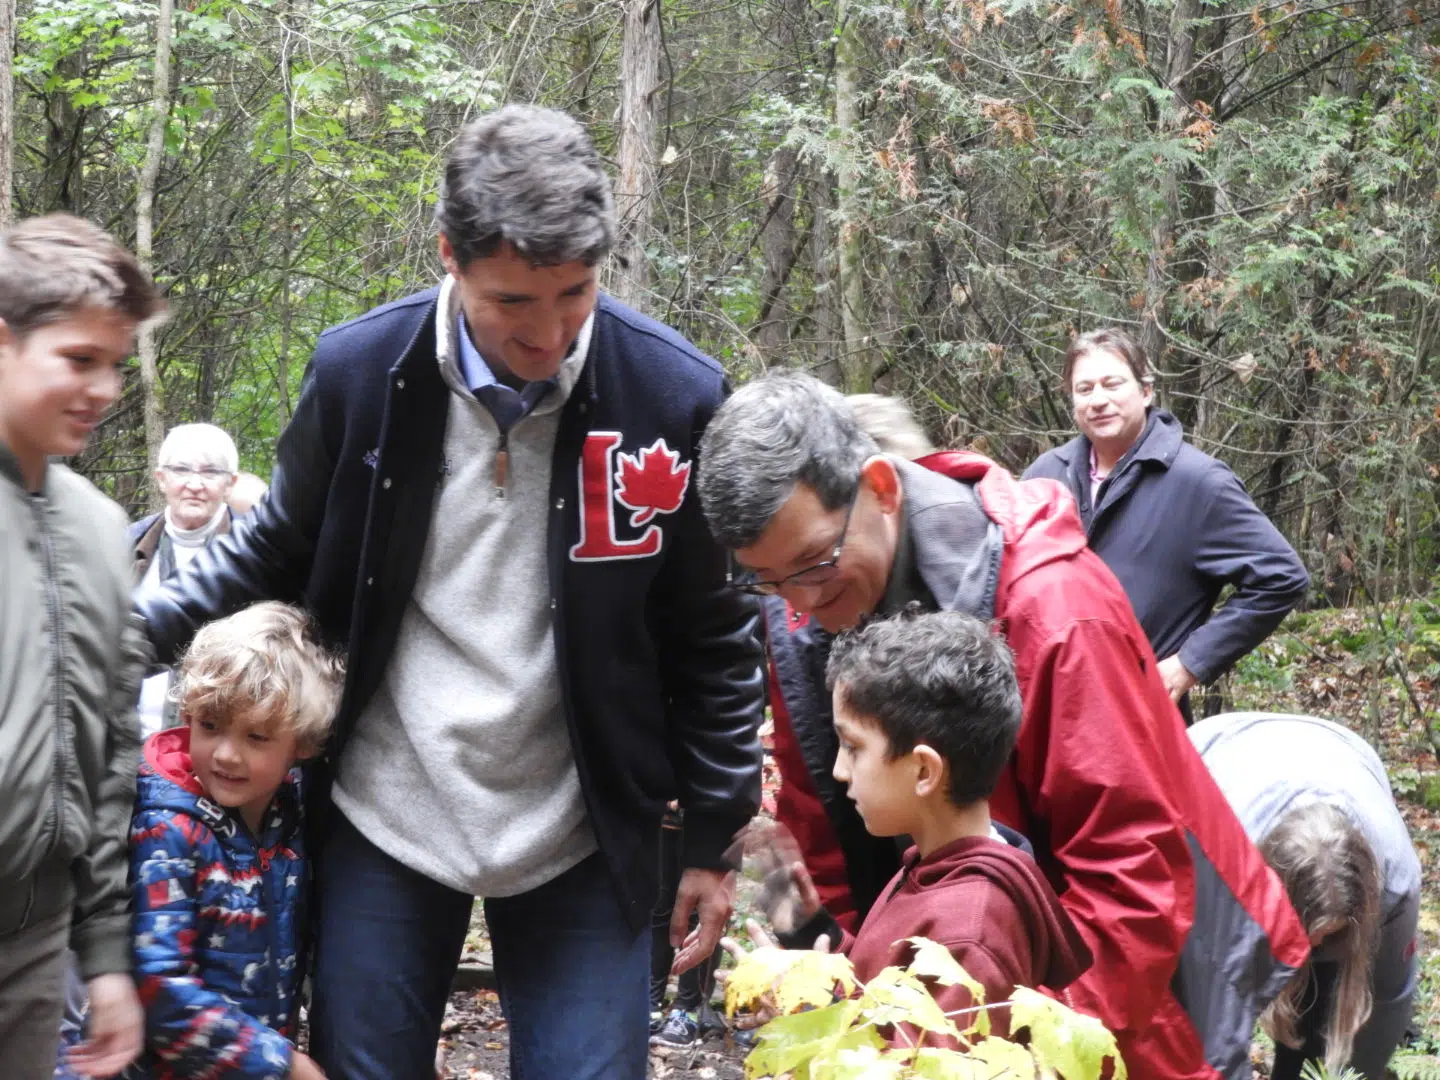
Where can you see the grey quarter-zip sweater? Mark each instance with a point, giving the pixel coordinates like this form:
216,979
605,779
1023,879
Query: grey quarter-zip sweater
461,766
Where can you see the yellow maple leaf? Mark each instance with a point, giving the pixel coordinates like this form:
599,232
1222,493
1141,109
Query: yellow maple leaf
934,961
792,978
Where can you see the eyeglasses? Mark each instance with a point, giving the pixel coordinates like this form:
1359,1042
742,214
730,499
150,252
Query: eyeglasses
207,474
815,574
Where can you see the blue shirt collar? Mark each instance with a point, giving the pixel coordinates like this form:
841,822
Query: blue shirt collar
477,374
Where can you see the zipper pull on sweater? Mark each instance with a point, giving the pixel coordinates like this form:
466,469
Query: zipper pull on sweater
502,465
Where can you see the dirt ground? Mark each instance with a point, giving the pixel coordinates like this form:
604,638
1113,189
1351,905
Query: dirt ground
477,1046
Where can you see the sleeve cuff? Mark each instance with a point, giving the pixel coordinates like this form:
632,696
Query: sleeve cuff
102,946
1204,676
822,922
710,841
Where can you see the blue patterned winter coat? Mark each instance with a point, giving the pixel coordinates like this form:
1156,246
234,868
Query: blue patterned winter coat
217,924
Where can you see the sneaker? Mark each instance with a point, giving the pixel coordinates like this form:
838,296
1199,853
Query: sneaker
657,1021
679,1030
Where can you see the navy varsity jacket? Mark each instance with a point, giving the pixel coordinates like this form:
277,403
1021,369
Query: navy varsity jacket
660,662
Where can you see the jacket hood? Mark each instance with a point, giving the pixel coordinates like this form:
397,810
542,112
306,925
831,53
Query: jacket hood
1039,512
1057,944
167,778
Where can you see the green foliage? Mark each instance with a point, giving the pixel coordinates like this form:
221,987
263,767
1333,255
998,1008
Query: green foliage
830,1027
1314,1070
1023,169
1409,1066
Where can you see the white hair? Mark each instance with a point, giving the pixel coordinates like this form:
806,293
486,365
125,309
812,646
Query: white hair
889,421
199,444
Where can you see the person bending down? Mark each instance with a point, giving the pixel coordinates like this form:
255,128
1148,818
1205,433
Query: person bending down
1314,797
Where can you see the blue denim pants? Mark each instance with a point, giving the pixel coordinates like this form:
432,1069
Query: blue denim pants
573,975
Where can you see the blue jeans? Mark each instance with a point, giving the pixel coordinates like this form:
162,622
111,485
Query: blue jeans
573,975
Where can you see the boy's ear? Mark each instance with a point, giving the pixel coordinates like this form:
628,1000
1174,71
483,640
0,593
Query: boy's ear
930,771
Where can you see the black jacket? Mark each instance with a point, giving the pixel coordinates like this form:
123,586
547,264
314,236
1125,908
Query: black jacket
660,661
1176,526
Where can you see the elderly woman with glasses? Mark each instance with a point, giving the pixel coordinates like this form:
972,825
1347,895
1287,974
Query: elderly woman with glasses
198,466
1174,524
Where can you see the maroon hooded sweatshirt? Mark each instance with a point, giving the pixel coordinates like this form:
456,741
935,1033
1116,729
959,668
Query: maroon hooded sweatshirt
991,906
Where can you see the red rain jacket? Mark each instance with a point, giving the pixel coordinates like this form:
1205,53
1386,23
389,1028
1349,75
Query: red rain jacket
1149,860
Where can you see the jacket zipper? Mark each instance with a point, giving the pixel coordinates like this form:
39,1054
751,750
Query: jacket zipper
273,944
272,950
38,506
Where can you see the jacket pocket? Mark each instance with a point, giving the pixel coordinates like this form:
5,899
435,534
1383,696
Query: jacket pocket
42,895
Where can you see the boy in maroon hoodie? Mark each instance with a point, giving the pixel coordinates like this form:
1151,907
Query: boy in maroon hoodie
927,712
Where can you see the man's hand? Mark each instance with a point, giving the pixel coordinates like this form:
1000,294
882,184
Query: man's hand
1178,680
711,893
116,1027
303,1067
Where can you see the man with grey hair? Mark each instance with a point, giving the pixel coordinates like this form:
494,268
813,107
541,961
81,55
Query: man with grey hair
1123,814
197,468
484,497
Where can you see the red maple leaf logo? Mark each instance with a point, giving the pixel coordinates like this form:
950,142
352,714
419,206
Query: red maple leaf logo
651,482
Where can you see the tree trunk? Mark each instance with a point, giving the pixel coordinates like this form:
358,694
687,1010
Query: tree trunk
1179,58
777,242
62,183
145,228
582,61
829,341
855,356
7,110
287,217
639,79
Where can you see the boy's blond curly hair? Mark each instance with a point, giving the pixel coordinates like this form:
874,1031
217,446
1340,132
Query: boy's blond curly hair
265,656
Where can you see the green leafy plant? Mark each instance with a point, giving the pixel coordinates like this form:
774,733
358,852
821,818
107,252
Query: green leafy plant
829,1025
1408,1066
1314,1070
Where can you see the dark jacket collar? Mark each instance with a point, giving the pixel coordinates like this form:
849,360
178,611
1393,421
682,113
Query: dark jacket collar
1159,442
151,529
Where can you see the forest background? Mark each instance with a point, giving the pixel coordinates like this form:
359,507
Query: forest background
927,198
922,197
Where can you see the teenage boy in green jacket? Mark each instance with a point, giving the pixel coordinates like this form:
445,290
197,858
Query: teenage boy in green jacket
71,300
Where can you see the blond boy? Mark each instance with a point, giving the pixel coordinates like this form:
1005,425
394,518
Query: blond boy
217,850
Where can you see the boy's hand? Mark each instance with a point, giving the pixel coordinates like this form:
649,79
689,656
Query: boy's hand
303,1067
116,1027
760,938
787,896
